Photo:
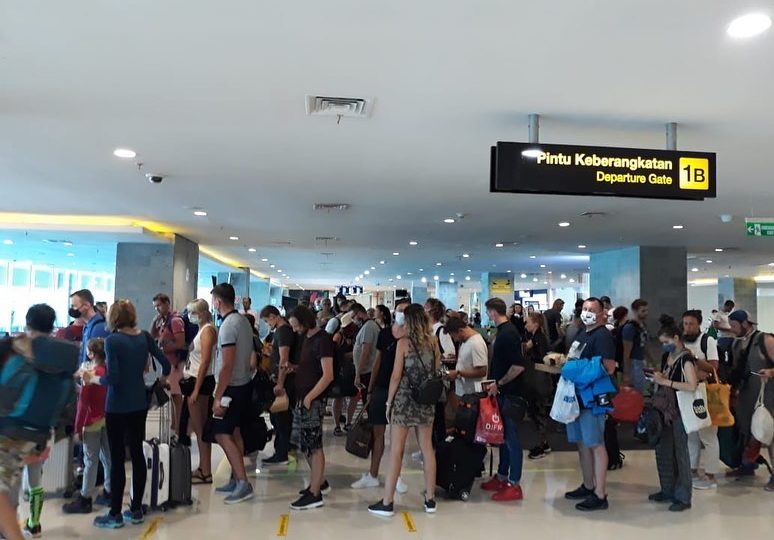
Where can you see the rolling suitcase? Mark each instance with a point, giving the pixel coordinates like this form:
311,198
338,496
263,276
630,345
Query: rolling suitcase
466,417
180,479
458,463
157,465
57,475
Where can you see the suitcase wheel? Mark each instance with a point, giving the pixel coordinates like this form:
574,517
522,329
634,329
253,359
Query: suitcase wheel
464,496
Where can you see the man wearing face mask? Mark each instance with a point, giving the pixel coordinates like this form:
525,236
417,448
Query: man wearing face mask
704,348
588,431
364,352
82,306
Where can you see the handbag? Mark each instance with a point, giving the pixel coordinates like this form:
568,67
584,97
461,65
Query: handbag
565,408
429,391
152,372
157,396
627,405
693,406
719,402
360,437
280,404
762,427
490,428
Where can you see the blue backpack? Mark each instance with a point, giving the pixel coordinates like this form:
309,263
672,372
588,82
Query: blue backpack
36,396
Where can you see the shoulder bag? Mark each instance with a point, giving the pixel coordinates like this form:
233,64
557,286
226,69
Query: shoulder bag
429,390
360,437
693,405
762,426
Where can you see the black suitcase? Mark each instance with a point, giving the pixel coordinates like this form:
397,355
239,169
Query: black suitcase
180,479
458,462
466,417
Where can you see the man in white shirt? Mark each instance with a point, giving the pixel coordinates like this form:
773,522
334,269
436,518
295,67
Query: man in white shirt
723,326
705,349
472,360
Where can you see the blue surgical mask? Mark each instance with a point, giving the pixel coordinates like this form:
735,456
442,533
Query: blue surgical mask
668,347
194,319
400,318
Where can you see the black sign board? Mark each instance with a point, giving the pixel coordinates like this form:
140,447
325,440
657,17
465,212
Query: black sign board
596,170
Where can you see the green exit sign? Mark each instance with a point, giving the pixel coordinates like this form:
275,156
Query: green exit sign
759,226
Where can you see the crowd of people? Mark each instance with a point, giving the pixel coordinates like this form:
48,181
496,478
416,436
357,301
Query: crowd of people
337,357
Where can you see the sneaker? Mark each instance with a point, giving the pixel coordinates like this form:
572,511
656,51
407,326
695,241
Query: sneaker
770,485
103,499
679,507
430,506
381,509
32,532
243,492
338,432
659,497
540,451
704,484
580,494
79,505
592,503
509,493
275,460
307,502
744,471
325,489
135,518
108,522
616,464
401,486
227,488
493,484
366,481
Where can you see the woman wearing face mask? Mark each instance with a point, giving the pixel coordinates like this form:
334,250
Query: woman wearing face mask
678,372
198,373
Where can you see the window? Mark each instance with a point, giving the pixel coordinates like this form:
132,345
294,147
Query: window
20,277
85,282
42,279
98,283
3,274
60,281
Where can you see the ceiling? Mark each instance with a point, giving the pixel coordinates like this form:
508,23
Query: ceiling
213,97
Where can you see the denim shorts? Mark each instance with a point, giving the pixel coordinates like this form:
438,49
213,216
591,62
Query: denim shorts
588,429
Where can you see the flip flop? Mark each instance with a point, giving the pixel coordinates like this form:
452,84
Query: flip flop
199,478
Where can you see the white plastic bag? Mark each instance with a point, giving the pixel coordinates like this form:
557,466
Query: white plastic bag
762,422
566,408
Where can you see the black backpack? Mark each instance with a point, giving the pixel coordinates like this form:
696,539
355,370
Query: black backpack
343,384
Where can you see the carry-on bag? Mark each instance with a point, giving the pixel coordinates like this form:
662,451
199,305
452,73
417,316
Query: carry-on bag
466,418
458,462
157,465
360,437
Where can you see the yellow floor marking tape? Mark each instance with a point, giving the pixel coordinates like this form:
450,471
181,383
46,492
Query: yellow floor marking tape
282,528
409,522
151,530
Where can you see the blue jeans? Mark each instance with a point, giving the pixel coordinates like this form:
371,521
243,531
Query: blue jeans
511,453
638,375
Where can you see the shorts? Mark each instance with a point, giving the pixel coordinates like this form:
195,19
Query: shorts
174,378
377,410
12,454
365,380
307,434
188,383
588,429
239,411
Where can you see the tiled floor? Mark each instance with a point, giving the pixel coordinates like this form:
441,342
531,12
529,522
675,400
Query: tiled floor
736,509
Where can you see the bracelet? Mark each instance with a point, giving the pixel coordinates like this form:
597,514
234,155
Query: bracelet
388,404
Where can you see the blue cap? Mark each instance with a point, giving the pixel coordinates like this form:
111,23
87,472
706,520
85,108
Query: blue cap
741,316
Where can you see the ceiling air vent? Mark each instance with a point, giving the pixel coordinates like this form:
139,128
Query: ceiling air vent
338,106
593,214
326,239
329,207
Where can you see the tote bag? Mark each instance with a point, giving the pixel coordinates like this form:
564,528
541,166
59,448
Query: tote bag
490,428
693,406
762,421
565,408
719,403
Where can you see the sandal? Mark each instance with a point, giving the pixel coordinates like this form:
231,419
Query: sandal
199,478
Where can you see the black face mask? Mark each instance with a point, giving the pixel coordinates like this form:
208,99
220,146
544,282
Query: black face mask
690,338
74,313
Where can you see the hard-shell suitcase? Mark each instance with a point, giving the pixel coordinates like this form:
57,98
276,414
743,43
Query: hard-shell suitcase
157,465
180,479
458,463
467,415
57,473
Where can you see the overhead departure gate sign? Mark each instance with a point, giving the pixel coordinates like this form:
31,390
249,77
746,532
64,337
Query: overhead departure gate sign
597,170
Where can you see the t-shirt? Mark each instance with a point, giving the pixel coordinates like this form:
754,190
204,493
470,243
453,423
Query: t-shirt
591,343
473,354
445,341
636,334
722,318
387,346
675,373
171,327
283,337
309,370
712,349
235,331
506,352
369,333
553,320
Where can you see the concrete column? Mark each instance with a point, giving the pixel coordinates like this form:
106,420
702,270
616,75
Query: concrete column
240,280
259,292
447,293
143,270
656,274
743,291
419,293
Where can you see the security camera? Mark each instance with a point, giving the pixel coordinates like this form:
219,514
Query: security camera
154,178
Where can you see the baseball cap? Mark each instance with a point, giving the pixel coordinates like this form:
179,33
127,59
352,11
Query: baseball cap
741,316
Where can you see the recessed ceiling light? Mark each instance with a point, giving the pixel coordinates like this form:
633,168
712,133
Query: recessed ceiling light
563,276
677,227
718,250
466,255
395,253
523,276
124,153
451,280
749,25
252,250
509,272
381,262
367,272
373,268
545,283
8,242
71,254
467,278
264,260
498,245
533,153
771,264
421,269
279,270
361,276
409,274
449,220
542,266
581,246
358,279
438,264
694,269
572,280
550,272
233,238
532,257
67,244
451,274
468,271
200,213
390,280
708,261
398,277
413,243
436,278
564,223
423,280
535,279
272,266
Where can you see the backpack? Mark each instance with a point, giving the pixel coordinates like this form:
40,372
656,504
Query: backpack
34,400
343,384
190,329
703,344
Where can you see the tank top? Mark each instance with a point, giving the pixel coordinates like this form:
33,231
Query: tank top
195,355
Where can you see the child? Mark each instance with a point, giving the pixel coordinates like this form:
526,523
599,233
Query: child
90,426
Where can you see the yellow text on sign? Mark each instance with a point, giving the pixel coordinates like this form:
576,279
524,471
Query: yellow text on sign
694,173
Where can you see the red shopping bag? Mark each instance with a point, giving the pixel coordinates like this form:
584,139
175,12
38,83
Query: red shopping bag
628,405
489,429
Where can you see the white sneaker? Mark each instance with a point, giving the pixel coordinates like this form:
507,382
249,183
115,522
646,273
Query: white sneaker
401,487
366,481
704,483
417,456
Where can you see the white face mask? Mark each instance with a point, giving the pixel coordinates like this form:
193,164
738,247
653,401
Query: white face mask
194,319
400,318
589,318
